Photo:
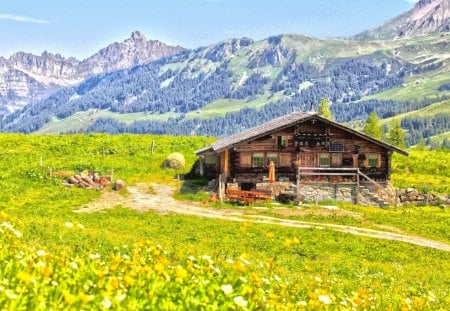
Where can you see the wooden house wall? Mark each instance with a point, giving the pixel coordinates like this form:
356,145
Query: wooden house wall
353,147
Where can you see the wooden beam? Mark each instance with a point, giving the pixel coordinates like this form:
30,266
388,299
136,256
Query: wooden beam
226,161
388,164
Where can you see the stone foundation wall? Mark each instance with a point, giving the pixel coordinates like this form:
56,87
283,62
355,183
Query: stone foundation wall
322,192
348,193
336,192
274,188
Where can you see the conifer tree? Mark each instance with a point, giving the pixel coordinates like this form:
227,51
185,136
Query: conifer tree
395,135
372,127
324,109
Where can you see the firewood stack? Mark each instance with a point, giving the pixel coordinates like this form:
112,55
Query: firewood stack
89,180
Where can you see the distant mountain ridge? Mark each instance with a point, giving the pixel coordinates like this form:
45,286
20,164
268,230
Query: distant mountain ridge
427,16
238,83
25,77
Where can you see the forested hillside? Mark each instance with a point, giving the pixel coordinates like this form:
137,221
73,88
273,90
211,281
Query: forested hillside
247,83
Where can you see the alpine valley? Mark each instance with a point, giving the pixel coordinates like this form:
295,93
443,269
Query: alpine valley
401,70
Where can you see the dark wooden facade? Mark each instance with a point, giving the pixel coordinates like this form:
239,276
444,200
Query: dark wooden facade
297,140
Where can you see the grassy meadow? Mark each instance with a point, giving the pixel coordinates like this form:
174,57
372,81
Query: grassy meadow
52,258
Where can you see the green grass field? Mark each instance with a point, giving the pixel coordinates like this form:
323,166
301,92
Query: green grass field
83,119
220,107
52,258
436,109
416,88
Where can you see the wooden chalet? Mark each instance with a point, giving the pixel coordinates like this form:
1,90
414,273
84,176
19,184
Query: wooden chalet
305,148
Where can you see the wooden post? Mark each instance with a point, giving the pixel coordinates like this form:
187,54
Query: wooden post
388,164
357,186
178,181
220,189
112,175
152,148
225,163
298,185
40,161
396,198
51,171
201,164
103,151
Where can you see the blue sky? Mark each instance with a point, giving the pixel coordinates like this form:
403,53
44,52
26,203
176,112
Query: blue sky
80,28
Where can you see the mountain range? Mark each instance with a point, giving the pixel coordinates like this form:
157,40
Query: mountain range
146,86
25,77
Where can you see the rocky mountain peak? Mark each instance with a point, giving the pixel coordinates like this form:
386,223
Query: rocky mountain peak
427,16
30,77
227,49
138,36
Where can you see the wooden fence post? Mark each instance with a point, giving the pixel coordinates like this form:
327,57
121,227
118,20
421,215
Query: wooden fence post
40,161
152,148
220,189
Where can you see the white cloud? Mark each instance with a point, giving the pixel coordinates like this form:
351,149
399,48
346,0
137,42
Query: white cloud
23,19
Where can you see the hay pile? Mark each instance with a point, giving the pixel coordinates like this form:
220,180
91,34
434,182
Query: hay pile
175,161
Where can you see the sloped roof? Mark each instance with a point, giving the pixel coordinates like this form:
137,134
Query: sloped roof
284,122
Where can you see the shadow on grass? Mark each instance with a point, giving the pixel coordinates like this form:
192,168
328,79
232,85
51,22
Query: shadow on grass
193,190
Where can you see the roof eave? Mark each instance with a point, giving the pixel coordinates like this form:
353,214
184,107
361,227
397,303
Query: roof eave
204,150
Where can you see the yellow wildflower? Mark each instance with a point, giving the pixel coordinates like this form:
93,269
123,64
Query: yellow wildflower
69,298
180,273
129,280
83,297
114,283
159,267
239,266
270,235
47,271
24,277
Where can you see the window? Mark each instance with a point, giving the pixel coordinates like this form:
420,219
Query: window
245,159
372,160
282,142
324,160
258,159
285,160
272,156
336,146
210,159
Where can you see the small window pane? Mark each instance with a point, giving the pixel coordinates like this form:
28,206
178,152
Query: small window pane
272,156
336,147
324,159
210,159
258,159
282,141
373,160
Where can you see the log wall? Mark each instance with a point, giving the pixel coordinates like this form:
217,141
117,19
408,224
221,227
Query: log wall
305,143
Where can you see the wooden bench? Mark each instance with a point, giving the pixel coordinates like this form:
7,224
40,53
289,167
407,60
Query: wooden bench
247,197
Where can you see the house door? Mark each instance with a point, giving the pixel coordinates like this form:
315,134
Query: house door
307,159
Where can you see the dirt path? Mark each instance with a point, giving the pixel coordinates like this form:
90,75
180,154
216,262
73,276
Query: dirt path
141,199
